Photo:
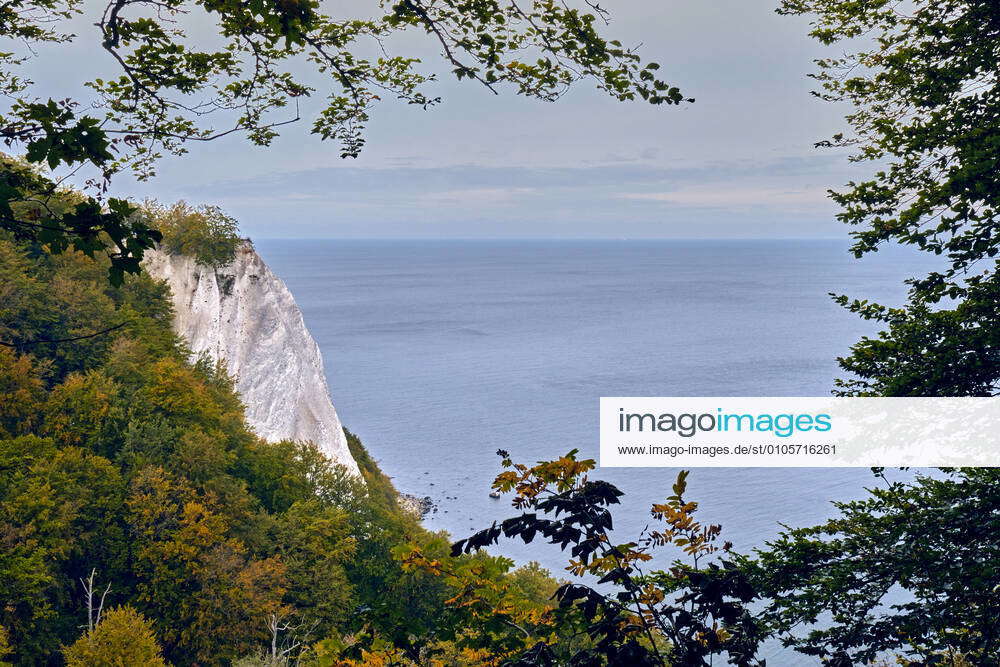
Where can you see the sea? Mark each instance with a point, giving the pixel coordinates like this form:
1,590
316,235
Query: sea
441,352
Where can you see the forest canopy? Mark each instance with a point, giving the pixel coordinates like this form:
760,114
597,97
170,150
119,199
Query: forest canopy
131,485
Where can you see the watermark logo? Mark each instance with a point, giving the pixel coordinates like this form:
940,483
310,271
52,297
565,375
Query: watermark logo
687,424
799,432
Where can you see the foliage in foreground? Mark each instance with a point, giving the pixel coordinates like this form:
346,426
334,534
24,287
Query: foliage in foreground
911,572
680,613
912,569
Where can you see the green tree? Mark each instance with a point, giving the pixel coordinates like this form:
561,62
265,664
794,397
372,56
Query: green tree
314,542
534,582
59,513
166,92
83,410
21,296
197,580
53,305
123,638
921,82
911,570
203,232
5,649
22,393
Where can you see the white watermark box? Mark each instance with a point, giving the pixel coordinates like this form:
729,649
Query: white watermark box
799,432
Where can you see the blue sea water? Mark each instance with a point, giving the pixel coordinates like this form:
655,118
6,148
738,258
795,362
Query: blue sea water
438,353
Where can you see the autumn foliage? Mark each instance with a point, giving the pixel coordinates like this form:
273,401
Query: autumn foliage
123,458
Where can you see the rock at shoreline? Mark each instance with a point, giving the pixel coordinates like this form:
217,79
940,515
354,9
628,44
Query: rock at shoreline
416,505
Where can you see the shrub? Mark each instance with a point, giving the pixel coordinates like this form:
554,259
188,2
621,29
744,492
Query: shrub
123,638
204,232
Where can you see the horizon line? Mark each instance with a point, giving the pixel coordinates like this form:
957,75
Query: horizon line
547,238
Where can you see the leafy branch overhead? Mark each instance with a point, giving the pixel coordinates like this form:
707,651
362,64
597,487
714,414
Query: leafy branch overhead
167,89
34,208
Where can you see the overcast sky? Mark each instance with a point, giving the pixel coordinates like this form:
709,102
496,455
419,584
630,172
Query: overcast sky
739,162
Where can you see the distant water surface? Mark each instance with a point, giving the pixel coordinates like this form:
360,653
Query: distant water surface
438,353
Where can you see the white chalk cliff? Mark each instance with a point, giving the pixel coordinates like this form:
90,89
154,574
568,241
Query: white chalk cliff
244,315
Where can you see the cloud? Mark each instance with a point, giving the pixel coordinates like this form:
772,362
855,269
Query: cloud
354,181
729,197
722,198
477,196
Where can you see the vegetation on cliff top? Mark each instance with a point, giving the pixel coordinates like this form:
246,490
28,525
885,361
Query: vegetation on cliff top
205,233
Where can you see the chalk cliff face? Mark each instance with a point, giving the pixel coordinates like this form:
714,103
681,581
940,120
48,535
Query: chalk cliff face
244,315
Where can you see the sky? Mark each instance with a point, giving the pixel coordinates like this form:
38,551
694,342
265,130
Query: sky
740,162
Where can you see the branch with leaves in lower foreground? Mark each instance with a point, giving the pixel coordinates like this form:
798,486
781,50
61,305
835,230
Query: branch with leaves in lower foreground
681,614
